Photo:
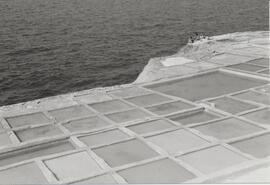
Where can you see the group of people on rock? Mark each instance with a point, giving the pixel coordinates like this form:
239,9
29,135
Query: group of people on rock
197,36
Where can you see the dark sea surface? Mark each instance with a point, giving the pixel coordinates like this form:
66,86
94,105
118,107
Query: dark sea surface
50,47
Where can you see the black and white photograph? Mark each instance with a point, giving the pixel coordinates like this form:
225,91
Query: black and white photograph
134,92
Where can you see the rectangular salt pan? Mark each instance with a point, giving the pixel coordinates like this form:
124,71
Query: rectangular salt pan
72,112
193,117
256,146
261,116
206,85
126,116
163,171
103,137
168,108
125,152
38,132
212,159
86,124
228,128
110,106
148,100
28,119
71,166
151,126
24,174
32,152
231,105
247,67
177,141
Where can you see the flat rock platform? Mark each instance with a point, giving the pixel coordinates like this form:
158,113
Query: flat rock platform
199,116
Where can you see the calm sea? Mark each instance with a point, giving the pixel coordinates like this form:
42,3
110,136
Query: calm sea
50,47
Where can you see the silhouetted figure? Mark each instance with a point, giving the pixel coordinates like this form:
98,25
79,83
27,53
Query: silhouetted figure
196,36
